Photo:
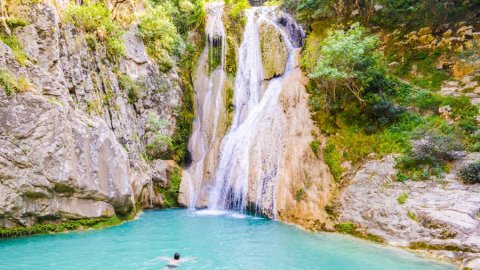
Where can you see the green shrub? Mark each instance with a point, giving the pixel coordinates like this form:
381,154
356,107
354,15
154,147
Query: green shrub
60,227
8,82
383,112
315,145
237,7
17,48
14,22
348,62
160,147
170,194
431,152
471,173
133,88
160,34
97,20
333,160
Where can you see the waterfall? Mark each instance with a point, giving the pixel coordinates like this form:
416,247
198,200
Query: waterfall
209,101
251,153
263,159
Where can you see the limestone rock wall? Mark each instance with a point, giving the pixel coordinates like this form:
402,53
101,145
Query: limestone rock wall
72,145
306,185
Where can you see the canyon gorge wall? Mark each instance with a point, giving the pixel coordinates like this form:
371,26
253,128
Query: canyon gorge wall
72,145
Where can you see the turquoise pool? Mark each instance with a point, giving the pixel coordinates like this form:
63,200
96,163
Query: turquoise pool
213,240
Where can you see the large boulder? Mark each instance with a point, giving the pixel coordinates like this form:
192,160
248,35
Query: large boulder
274,51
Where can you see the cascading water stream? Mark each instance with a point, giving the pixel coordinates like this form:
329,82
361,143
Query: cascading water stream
247,154
208,85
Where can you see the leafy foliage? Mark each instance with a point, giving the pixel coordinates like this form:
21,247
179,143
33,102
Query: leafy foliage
160,145
471,173
7,82
17,48
59,227
14,22
431,152
416,14
97,20
348,62
160,34
237,7
187,14
170,194
132,87
12,84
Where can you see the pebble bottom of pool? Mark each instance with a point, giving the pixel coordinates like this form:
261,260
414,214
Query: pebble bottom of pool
209,240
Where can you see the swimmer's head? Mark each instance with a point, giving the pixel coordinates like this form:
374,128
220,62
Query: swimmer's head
176,256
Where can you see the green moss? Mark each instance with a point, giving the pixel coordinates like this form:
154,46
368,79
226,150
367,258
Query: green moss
315,146
333,159
95,106
62,188
71,225
449,247
214,56
375,238
170,194
347,227
300,195
185,112
350,228
229,94
412,216
402,198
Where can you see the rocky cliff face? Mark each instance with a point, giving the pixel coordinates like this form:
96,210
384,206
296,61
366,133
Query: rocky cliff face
72,143
440,217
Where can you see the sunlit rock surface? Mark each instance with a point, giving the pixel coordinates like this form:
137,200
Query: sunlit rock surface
441,216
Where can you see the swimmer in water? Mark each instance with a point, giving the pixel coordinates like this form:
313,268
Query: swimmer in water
175,262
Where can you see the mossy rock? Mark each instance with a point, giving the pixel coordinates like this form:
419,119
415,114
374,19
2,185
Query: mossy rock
274,51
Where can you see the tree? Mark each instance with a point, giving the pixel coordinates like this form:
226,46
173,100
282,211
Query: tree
348,62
